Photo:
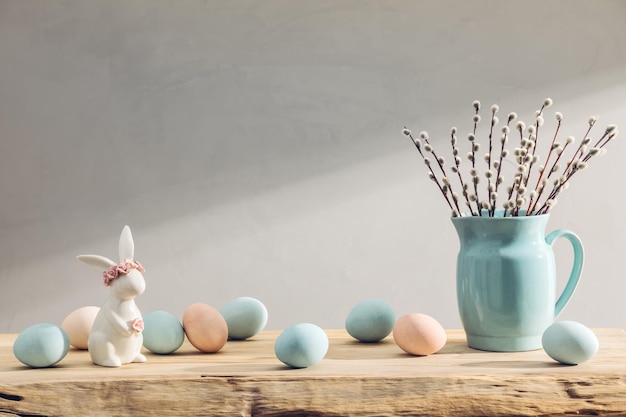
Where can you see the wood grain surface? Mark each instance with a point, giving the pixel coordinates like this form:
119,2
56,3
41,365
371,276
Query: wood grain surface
354,379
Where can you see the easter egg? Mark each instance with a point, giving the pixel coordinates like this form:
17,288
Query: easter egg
419,334
370,320
245,317
78,325
162,332
301,345
41,345
569,342
205,327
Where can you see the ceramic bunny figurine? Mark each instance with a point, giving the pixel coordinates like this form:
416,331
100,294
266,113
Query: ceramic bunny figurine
116,336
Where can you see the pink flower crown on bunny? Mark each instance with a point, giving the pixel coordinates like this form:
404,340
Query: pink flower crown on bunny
121,268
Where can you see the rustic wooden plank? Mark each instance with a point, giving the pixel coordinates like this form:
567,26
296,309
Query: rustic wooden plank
354,379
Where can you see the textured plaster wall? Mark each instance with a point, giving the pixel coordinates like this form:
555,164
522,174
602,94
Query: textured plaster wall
255,147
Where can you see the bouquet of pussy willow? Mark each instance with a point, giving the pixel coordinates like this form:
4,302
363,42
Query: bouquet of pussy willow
534,184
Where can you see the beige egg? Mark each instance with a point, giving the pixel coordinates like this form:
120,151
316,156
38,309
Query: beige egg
419,334
78,325
205,327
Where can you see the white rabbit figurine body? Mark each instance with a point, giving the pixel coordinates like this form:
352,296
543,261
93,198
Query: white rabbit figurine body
116,337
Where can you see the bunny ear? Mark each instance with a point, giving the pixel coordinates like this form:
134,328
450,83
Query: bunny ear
127,246
96,260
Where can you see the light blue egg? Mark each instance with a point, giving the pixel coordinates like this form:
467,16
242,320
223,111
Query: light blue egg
162,334
245,317
569,342
41,345
370,320
301,345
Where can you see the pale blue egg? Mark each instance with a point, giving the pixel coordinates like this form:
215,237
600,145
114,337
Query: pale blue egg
569,342
370,320
245,317
301,345
41,345
162,334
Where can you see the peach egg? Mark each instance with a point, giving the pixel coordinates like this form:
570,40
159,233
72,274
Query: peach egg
78,325
205,327
419,334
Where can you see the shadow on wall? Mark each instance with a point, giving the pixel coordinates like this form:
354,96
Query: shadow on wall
117,114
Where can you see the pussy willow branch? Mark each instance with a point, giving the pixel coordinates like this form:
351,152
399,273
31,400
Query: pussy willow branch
446,183
457,164
581,147
503,153
475,178
526,156
538,124
522,169
532,202
599,145
553,169
609,134
490,188
418,146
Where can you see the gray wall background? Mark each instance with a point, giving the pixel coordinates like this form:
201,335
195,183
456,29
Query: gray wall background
255,148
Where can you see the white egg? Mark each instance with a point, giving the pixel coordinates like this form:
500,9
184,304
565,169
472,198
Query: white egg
569,342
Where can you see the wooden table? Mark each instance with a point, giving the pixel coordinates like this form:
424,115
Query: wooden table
354,379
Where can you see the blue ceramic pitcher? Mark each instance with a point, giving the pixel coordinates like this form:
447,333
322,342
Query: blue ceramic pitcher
506,280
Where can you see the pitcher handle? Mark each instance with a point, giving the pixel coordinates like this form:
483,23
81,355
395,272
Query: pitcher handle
577,268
